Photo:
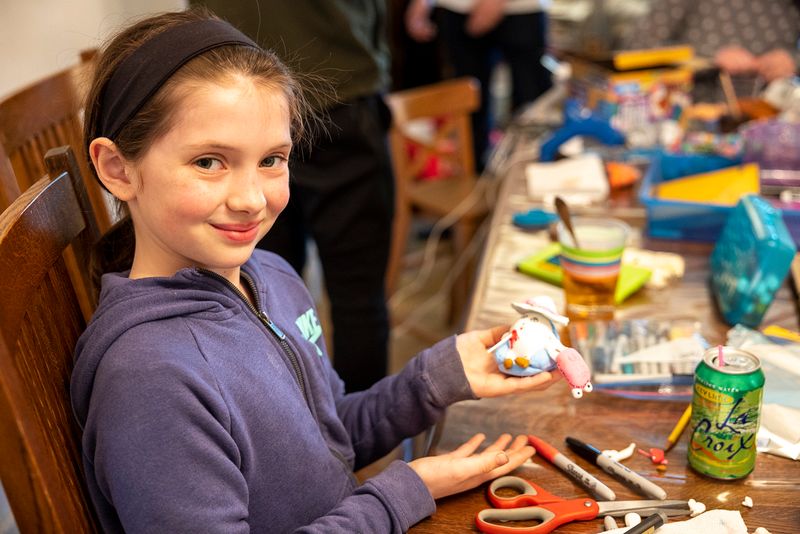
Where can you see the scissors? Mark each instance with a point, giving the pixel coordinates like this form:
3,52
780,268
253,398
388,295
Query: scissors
552,511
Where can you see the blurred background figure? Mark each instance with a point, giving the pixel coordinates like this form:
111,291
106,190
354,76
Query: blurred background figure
342,189
476,35
752,40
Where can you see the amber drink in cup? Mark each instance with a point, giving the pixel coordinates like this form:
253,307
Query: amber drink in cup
591,266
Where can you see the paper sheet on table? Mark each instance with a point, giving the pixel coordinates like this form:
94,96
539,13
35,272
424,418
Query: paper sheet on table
580,180
779,434
710,522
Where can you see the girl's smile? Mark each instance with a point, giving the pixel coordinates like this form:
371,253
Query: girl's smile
242,233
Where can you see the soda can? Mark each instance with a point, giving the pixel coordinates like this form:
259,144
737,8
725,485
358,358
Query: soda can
726,408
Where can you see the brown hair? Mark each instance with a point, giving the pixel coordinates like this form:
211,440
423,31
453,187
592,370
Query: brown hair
154,119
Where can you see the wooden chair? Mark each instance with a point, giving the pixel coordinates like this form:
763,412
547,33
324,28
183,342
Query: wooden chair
40,321
435,172
42,116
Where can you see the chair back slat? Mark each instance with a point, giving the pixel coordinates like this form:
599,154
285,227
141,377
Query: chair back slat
9,187
450,97
40,322
44,115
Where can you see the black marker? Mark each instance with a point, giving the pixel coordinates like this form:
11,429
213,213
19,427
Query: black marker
613,467
648,524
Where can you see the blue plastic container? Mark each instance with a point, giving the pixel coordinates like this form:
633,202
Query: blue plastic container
750,261
671,219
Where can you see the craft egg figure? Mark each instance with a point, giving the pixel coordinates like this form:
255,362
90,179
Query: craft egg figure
532,345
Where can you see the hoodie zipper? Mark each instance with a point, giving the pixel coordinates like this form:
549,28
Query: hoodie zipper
266,321
287,349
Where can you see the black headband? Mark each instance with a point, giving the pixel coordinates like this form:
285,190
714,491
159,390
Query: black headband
140,75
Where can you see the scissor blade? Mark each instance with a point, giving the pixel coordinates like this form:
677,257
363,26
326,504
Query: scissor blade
620,508
669,512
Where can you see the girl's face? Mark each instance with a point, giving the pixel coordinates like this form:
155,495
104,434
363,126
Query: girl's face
212,186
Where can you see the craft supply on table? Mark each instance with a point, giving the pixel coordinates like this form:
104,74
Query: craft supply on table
532,502
655,455
750,261
532,345
632,519
711,522
588,481
663,266
649,524
624,454
697,507
673,437
641,358
616,469
534,219
670,219
726,407
583,177
723,186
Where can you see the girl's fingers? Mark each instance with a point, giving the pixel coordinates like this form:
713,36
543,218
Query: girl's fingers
468,448
518,443
518,456
500,443
515,459
543,379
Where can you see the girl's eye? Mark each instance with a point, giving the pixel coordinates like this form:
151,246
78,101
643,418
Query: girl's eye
209,164
272,161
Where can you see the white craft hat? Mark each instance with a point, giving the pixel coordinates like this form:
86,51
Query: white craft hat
543,305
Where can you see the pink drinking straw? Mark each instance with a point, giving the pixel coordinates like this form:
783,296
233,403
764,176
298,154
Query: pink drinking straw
720,357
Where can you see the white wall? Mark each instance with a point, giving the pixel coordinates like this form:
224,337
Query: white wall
39,37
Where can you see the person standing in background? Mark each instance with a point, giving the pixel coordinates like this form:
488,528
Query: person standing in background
342,190
473,33
748,39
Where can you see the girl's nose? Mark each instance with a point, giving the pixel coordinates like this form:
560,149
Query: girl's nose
246,193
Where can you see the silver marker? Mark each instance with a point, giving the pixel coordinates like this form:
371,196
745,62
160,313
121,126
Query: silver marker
613,467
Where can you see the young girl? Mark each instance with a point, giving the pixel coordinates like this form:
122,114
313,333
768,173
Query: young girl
202,384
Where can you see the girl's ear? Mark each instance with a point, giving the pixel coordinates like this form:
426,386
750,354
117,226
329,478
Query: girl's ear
112,168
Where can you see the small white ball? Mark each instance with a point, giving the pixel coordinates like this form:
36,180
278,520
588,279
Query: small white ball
632,519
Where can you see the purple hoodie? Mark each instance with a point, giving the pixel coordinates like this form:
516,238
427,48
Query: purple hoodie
202,414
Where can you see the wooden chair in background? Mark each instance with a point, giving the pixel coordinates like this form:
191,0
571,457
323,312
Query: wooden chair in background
40,322
434,167
42,116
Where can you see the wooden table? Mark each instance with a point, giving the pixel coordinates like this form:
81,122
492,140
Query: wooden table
603,420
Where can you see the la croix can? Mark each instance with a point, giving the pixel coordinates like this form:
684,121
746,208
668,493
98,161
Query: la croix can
726,408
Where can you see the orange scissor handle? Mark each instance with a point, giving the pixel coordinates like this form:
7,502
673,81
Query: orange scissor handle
529,493
550,516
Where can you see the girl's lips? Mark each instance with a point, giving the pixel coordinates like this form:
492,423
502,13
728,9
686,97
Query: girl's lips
240,233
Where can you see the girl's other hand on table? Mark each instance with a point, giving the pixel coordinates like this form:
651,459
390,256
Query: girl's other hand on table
464,469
